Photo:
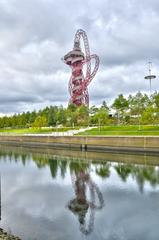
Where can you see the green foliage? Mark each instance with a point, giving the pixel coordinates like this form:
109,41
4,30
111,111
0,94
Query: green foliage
83,115
120,103
148,115
40,122
104,106
138,103
155,100
52,116
93,110
134,110
100,117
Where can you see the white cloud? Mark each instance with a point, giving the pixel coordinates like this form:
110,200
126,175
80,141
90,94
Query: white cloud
34,35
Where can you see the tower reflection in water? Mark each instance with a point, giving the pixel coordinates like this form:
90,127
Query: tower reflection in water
88,199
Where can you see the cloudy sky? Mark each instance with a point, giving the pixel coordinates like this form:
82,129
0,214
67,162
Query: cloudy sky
35,34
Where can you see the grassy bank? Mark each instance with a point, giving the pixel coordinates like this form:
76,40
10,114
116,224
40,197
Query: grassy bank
22,131
134,130
124,131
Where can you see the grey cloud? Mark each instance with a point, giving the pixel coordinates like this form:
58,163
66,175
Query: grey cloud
34,35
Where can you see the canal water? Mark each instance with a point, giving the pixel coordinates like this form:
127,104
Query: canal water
50,194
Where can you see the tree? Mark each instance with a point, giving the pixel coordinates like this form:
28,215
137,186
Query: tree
100,117
137,105
40,122
61,115
82,115
52,116
93,110
155,100
104,105
33,116
71,114
120,104
148,115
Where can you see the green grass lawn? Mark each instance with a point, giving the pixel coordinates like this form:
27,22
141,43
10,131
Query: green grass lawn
124,130
22,131
105,130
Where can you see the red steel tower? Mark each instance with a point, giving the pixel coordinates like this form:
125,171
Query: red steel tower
76,59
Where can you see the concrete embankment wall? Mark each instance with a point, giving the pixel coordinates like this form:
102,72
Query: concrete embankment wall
90,143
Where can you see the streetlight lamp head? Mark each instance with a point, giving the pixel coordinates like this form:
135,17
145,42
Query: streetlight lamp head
150,76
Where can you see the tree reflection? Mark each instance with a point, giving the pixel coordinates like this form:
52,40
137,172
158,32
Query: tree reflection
103,170
123,170
53,167
63,168
140,173
82,204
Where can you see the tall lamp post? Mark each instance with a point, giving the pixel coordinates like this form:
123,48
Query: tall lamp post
150,76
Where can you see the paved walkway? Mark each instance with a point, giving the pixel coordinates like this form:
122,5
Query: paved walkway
66,133
71,132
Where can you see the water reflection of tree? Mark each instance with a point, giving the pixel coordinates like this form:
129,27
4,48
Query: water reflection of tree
141,173
148,174
13,156
103,170
76,167
123,170
54,164
63,168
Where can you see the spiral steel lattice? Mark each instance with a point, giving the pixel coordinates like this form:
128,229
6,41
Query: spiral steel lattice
76,59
